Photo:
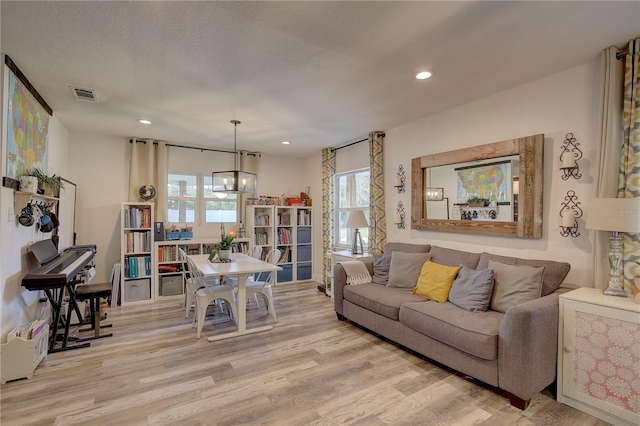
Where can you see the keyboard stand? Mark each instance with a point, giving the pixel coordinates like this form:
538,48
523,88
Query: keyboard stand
56,303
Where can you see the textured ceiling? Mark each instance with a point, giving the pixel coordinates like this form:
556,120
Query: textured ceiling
316,73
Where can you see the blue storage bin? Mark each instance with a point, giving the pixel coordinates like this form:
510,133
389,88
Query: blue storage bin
173,235
184,235
304,253
304,271
286,274
304,235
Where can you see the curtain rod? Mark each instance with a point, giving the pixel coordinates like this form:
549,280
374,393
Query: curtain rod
195,147
354,143
620,54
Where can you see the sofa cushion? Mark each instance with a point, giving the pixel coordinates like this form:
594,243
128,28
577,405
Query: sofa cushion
406,248
473,332
554,272
380,299
381,265
514,284
435,281
450,257
471,290
405,269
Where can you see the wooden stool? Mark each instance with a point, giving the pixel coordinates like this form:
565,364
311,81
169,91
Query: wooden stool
93,293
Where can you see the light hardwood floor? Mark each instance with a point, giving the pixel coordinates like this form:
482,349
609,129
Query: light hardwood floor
310,369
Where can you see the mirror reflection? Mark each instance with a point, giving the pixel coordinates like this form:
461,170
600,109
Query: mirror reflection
481,190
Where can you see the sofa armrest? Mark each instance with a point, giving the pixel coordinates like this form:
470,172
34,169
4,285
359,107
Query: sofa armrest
340,280
528,347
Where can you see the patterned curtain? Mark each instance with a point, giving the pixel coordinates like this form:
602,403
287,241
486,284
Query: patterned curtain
328,199
629,176
148,166
377,222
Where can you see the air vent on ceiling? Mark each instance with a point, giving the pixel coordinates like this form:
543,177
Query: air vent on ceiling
84,94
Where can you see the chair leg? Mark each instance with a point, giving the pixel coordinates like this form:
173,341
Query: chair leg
202,312
234,310
272,310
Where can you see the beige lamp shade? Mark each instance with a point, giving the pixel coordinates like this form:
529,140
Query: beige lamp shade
357,219
614,214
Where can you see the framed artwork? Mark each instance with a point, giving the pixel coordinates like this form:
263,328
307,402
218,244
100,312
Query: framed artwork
27,125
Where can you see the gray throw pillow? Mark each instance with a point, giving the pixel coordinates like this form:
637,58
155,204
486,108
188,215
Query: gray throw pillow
381,265
471,290
514,284
405,268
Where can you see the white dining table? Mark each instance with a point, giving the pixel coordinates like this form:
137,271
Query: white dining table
241,266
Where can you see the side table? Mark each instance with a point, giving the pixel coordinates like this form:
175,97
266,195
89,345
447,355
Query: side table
599,355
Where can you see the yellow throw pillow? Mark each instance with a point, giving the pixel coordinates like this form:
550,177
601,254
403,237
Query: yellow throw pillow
435,281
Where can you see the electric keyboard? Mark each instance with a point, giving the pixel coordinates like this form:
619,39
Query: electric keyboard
58,272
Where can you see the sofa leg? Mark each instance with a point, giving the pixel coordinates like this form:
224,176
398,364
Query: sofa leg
517,402
341,317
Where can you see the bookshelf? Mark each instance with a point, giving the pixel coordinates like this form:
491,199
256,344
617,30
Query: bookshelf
136,238
169,272
289,229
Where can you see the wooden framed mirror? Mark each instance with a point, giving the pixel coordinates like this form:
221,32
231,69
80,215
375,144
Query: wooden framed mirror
521,161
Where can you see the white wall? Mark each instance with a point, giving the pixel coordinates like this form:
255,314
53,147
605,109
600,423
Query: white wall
563,103
100,169
19,305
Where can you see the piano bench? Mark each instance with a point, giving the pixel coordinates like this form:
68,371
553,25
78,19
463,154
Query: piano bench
93,293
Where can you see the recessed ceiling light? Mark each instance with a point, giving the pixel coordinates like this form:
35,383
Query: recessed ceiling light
423,75
144,121
286,143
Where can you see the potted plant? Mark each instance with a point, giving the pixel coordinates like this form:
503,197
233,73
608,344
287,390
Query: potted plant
477,202
49,184
223,248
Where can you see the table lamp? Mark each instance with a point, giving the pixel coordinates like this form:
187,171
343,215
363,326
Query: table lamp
615,215
357,220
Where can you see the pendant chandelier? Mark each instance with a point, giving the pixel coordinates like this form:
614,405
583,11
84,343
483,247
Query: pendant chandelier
235,181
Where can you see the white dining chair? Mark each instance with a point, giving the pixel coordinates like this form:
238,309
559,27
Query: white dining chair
192,285
206,294
263,288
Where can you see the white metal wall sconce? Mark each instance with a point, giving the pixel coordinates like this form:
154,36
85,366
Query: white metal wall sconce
569,213
400,179
400,215
569,158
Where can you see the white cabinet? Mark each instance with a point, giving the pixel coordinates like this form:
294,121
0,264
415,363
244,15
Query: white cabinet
599,355
169,272
289,229
136,236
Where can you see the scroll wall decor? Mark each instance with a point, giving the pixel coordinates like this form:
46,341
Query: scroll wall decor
569,213
569,157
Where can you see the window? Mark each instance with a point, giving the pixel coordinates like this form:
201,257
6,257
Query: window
190,200
352,193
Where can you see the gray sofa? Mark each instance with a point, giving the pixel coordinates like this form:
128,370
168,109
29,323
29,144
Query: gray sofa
515,351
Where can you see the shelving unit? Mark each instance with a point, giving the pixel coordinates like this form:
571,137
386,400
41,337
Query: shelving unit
304,247
21,199
289,229
169,272
260,220
285,235
136,235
